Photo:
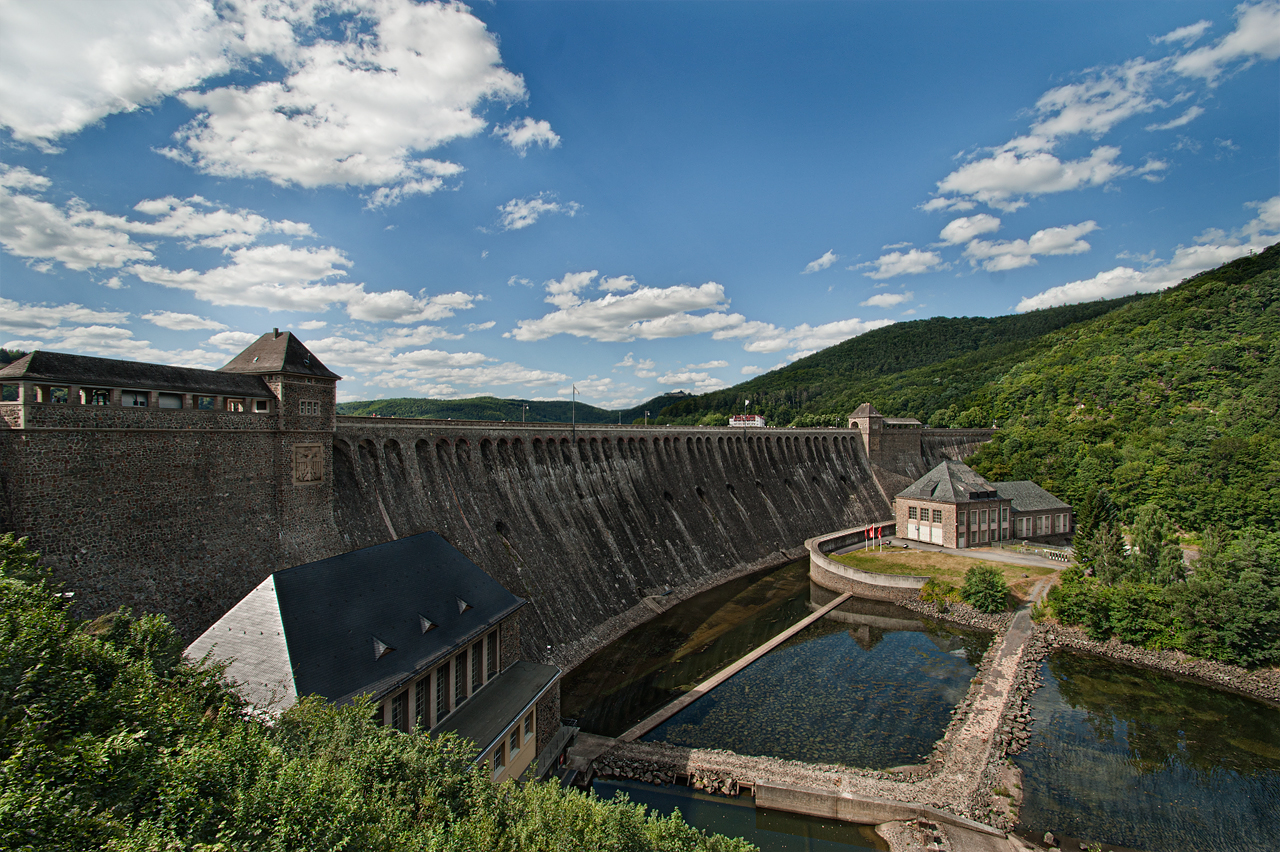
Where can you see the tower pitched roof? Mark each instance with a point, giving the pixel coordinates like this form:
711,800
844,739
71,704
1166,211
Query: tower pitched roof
866,410
279,352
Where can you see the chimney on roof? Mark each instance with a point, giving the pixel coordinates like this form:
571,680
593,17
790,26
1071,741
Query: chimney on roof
275,332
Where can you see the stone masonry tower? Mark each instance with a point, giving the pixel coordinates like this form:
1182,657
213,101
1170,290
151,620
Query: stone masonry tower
870,423
306,416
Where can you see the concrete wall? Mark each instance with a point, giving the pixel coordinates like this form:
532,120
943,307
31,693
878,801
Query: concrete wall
586,523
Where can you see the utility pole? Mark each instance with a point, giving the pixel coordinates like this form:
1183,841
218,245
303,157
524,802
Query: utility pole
573,413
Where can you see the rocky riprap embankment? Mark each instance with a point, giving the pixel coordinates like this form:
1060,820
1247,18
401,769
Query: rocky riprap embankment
960,613
1262,684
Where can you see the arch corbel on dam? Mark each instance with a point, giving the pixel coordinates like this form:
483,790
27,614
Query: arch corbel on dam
587,523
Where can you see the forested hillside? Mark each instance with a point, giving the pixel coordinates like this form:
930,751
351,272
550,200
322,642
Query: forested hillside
1172,400
909,369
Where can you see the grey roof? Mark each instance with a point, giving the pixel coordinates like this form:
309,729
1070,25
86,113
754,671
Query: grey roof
902,421
950,482
865,410
356,623
62,368
279,352
488,713
1029,497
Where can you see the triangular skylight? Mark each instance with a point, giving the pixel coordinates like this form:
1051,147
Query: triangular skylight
463,606
425,623
380,648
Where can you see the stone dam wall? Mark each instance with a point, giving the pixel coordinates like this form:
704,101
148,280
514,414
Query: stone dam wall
588,523
592,525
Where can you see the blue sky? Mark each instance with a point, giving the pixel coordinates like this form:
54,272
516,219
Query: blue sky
515,198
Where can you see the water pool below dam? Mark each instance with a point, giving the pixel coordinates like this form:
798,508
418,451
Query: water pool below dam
1120,756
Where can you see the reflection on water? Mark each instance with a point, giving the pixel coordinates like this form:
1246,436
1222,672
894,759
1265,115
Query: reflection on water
871,685
772,831
1120,755
662,659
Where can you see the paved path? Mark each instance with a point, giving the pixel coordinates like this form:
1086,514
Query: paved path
983,553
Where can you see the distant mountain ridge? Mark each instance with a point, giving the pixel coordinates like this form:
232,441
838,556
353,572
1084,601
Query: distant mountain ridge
508,410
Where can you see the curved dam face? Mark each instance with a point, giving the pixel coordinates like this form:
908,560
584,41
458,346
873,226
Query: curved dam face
587,523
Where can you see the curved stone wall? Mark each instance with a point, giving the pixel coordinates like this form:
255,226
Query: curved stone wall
587,523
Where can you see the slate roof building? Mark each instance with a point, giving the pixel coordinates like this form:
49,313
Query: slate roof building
954,506
413,623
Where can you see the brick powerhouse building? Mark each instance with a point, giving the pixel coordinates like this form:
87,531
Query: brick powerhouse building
170,489
953,506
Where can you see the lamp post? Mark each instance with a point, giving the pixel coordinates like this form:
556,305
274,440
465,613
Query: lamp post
646,419
573,412
524,410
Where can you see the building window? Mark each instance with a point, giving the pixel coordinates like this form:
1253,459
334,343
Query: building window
1039,525
234,404
137,399
400,712
1004,514
205,403
442,692
95,396
477,666
911,513
170,400
1018,525
528,726
984,517
514,739
310,407
493,653
420,701
460,678
973,518
937,516
261,406
499,757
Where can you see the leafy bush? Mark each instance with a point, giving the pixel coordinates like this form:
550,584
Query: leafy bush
984,588
939,591
110,740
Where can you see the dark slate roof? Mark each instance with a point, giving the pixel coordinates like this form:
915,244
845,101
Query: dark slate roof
866,410
902,421
337,610
1029,497
486,714
950,482
62,368
279,352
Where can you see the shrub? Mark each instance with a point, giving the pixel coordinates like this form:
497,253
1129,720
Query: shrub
984,588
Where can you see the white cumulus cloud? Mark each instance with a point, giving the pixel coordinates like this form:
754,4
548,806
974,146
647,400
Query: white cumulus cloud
887,300
966,228
522,212
996,256
182,322
526,132
898,263
1256,36
821,263
1219,248
404,78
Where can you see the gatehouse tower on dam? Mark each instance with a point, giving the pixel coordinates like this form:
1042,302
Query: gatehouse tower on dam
179,490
